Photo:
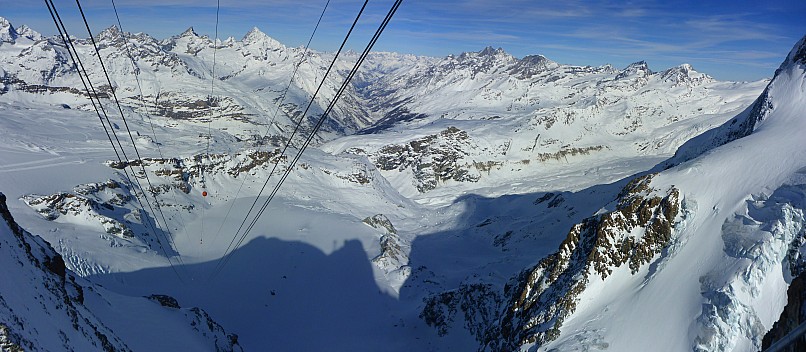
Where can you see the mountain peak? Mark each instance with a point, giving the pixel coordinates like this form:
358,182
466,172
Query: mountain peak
796,56
531,65
253,35
536,60
189,33
7,32
29,33
111,33
685,73
256,36
490,51
639,68
254,31
685,67
638,64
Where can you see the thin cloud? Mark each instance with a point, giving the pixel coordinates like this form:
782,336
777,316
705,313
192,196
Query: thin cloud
475,36
717,30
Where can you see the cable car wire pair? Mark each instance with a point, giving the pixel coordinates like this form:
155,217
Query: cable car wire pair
101,111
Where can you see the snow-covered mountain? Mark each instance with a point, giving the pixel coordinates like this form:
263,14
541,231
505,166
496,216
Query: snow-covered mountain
489,115
11,35
473,202
393,90
175,78
46,307
696,257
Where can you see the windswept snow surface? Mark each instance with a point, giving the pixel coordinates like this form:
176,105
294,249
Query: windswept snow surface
480,162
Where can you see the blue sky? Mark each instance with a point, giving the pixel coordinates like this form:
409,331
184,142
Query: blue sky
730,40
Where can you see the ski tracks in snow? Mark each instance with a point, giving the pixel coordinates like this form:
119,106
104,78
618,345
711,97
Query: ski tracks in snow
39,164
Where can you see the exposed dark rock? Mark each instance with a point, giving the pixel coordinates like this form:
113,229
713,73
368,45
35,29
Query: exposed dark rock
544,198
793,315
556,201
53,206
433,158
10,342
541,298
9,81
392,256
565,153
380,221
202,322
165,301
530,66
49,271
535,303
478,304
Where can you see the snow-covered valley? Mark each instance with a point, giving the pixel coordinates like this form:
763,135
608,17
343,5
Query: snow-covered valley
473,202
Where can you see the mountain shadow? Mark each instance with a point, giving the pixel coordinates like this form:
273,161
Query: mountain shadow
459,275
280,295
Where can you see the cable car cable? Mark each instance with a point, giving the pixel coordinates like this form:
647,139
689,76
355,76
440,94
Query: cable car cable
128,130
224,260
209,121
142,101
321,120
296,128
276,111
62,29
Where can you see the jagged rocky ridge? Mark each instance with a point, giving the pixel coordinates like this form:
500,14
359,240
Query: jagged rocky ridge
48,309
432,159
394,251
534,304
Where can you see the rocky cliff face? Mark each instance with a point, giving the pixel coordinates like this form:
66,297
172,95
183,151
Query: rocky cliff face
45,307
793,316
31,263
632,235
534,305
432,159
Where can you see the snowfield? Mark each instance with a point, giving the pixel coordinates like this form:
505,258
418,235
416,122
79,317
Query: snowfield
474,202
